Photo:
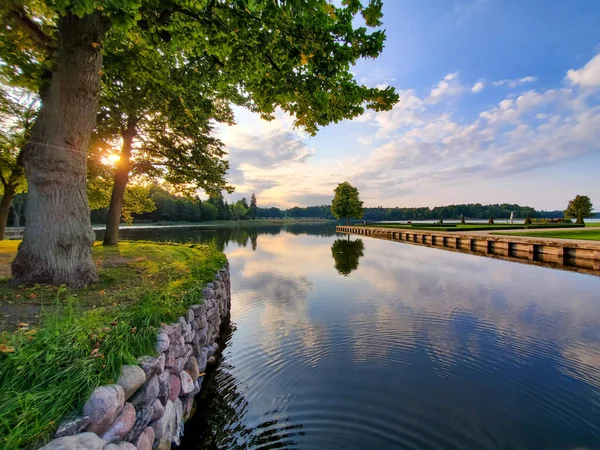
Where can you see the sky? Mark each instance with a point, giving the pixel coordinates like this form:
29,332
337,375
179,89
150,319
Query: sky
499,103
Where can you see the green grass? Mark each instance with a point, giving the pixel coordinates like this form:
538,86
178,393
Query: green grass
85,336
469,226
593,235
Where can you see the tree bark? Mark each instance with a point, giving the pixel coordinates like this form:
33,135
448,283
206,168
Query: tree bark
56,247
7,198
111,236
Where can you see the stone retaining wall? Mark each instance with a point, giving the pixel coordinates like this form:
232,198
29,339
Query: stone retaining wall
147,406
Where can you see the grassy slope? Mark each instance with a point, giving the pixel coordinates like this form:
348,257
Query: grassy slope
593,235
85,336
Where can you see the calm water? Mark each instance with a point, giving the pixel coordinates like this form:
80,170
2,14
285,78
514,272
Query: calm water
384,345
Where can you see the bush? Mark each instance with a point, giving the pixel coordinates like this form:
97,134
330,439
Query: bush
528,220
491,221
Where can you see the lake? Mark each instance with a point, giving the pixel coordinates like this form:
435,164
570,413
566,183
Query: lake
338,343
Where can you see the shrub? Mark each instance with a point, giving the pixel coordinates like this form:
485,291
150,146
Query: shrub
528,220
491,221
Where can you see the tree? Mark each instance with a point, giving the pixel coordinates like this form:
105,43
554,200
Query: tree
209,211
240,210
580,207
462,219
253,207
346,202
491,220
346,254
303,68
18,109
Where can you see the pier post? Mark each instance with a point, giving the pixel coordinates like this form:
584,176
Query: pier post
562,255
489,247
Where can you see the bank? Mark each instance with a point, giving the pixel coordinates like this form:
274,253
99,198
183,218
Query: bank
148,328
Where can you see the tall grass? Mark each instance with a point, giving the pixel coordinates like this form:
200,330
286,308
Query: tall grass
55,367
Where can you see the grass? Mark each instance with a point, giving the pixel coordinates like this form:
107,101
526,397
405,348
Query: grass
47,371
593,235
469,226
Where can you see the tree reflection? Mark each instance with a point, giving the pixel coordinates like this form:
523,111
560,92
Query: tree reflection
346,254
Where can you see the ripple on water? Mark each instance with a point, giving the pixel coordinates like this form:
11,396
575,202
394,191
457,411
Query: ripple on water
421,359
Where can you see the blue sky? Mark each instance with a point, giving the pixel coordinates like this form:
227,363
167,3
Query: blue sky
499,102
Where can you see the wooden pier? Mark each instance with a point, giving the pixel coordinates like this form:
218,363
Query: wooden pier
577,256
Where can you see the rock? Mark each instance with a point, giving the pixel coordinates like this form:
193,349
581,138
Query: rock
197,385
189,351
211,350
177,348
132,377
208,292
163,444
162,359
122,424
149,365
210,361
72,426
87,441
164,387
146,439
120,446
190,316
190,337
209,333
201,337
159,409
170,360
103,406
179,365
191,367
175,381
162,342
202,358
147,394
177,423
185,327
201,321
161,426
142,419
198,310
187,384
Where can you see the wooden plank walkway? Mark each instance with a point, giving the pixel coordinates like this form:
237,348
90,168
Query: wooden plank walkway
557,253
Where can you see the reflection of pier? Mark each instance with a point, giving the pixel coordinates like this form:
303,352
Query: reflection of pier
577,256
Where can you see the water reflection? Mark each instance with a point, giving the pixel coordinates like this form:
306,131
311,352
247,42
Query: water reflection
346,254
413,348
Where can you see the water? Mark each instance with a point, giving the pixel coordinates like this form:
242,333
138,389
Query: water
384,345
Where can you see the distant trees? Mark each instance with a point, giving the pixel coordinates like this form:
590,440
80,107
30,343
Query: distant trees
580,207
253,207
346,202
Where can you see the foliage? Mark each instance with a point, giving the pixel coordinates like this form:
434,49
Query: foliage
346,202
99,188
528,220
18,111
56,366
346,254
580,207
491,220
253,207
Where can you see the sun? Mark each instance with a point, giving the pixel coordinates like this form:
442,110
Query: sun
113,158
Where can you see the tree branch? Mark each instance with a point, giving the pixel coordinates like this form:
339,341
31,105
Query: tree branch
31,28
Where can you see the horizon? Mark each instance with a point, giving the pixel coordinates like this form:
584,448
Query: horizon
493,108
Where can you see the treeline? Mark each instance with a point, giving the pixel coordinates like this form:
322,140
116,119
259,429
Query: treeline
169,207
173,208
470,211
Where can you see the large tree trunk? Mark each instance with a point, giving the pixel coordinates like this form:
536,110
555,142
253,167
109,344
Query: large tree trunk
56,247
7,198
111,236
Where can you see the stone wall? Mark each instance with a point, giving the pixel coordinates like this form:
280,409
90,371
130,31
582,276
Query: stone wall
147,406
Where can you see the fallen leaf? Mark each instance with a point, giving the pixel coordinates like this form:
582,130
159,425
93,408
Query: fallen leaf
22,325
6,348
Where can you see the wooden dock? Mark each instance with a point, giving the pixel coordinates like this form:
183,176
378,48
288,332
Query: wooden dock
577,256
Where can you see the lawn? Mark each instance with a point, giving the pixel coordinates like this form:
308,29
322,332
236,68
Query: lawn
593,235
50,365
468,226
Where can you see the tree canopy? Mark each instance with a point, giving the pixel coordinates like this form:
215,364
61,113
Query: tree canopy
294,55
579,208
346,202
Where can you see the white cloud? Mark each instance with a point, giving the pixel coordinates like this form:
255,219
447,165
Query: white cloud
516,82
449,87
478,87
588,75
